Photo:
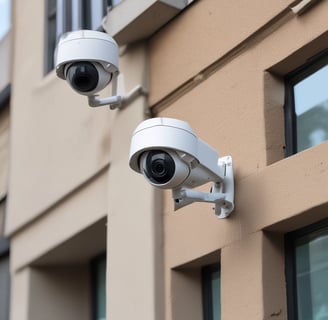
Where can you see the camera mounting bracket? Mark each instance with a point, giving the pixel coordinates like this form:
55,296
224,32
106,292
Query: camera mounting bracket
221,194
117,101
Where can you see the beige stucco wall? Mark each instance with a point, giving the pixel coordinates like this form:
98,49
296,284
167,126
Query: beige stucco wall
229,87
71,192
203,34
219,66
58,143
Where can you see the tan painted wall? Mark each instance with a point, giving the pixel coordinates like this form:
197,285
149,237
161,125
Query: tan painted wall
203,34
72,194
134,243
60,293
51,293
220,67
49,122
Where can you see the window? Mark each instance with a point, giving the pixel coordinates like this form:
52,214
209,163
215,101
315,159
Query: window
4,280
5,17
4,267
211,292
98,279
307,272
306,105
68,15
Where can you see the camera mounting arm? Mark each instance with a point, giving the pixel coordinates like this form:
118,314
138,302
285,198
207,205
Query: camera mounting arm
221,194
117,101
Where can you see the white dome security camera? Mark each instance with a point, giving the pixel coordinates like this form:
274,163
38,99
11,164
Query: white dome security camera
170,156
88,61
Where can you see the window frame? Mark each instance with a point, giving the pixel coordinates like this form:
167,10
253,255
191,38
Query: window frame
291,79
207,298
290,264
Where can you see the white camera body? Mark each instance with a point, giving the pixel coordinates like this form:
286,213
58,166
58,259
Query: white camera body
87,60
171,156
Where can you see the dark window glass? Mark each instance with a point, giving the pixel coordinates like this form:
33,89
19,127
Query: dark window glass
51,34
306,106
98,277
4,267
307,273
4,286
211,292
69,15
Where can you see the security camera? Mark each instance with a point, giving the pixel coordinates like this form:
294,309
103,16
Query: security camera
88,61
170,156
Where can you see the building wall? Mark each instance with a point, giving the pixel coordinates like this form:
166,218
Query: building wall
71,195
220,67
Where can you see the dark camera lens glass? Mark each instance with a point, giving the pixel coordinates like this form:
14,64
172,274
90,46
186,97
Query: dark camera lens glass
83,76
159,167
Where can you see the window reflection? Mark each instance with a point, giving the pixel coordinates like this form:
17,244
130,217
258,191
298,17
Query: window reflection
211,292
311,109
5,19
98,270
312,276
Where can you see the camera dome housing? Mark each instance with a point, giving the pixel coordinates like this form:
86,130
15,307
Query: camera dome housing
170,156
87,60
87,78
163,169
195,161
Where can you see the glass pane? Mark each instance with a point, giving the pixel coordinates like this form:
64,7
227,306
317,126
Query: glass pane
76,15
97,13
311,108
216,298
4,287
51,35
211,292
101,289
312,276
4,17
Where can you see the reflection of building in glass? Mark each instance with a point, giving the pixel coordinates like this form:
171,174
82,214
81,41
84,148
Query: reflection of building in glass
312,272
312,126
5,20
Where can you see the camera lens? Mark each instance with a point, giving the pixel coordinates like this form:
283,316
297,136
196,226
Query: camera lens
83,76
159,167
